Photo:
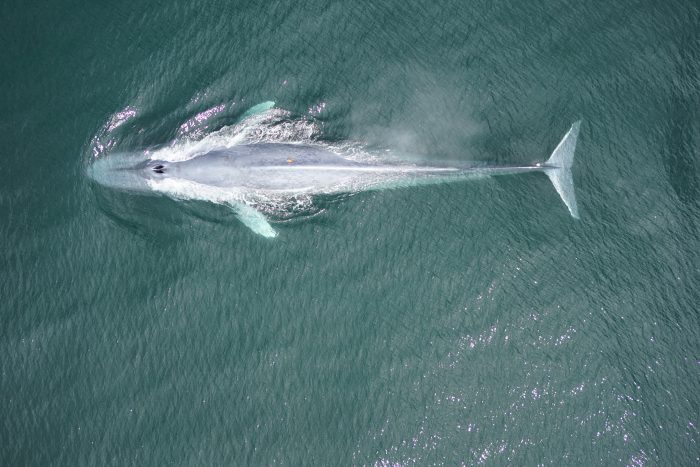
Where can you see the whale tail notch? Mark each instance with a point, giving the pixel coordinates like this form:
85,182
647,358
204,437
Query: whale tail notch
558,168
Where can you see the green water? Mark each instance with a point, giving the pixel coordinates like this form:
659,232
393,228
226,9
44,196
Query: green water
469,323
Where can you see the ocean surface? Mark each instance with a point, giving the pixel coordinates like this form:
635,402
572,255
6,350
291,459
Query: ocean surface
465,323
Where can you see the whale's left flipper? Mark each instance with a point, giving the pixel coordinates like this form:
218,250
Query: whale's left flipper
257,109
558,168
254,220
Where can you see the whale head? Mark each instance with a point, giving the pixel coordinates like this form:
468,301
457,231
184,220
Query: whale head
128,172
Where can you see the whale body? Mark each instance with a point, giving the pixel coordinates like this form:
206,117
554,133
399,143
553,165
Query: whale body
246,175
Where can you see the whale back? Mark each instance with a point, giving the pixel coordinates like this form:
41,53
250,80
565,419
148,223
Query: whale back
274,154
267,166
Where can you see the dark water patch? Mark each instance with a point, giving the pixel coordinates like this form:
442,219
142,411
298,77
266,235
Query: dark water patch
683,133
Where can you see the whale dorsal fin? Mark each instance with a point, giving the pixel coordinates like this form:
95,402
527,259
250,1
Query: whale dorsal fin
254,220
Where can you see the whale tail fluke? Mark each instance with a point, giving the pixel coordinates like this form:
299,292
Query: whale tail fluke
558,169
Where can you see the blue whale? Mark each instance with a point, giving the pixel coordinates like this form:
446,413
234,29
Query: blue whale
246,176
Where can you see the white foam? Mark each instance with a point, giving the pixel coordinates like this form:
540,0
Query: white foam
273,125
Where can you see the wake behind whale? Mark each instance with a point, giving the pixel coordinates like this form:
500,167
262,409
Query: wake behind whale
251,172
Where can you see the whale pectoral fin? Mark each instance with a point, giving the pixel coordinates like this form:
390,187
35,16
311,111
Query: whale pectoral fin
257,109
254,220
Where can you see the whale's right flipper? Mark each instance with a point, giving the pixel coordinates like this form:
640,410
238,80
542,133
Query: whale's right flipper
558,169
254,220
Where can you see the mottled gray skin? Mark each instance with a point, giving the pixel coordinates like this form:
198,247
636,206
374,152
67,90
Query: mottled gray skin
295,168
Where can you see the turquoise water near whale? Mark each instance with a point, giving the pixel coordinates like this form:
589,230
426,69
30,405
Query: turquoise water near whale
466,323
